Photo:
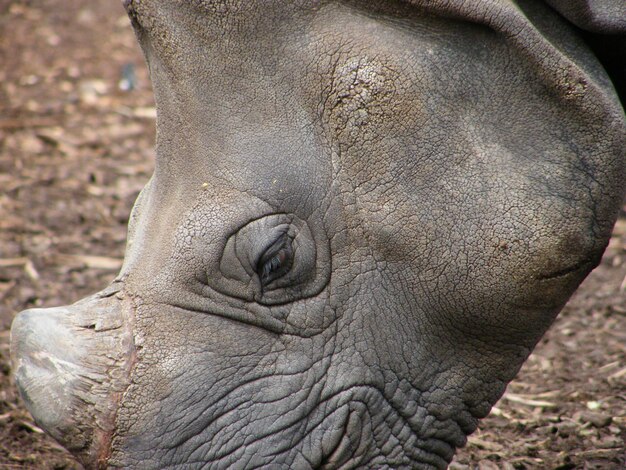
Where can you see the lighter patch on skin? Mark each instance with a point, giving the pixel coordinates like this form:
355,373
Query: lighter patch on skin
363,88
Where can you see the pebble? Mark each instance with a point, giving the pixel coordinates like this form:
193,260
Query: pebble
599,420
610,442
567,428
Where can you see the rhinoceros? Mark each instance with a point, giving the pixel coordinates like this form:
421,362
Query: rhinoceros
363,217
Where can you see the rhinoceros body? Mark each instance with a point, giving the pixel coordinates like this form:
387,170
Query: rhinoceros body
363,217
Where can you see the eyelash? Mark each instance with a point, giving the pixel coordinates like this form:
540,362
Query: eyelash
276,261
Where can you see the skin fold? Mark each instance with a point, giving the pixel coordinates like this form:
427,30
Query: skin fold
363,217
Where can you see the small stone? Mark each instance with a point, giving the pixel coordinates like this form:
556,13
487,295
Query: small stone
599,420
566,428
593,405
610,442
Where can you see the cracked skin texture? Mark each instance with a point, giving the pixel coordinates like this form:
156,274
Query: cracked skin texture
445,175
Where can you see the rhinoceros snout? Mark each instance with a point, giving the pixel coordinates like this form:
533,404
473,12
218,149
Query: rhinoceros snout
71,367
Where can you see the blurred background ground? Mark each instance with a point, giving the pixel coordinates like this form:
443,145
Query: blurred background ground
76,146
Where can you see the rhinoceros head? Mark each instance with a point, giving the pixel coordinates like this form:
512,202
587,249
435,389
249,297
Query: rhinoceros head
363,217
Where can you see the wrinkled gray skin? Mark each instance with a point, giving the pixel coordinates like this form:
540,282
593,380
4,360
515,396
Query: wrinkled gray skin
423,187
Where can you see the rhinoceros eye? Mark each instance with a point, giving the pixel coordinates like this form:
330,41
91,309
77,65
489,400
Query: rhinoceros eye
276,261
272,260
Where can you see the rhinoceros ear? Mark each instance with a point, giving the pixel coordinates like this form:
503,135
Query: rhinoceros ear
566,65
604,29
598,16
552,46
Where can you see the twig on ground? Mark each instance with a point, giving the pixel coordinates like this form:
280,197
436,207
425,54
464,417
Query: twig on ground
528,401
95,262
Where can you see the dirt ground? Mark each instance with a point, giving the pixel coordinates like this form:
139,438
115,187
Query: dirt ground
76,146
